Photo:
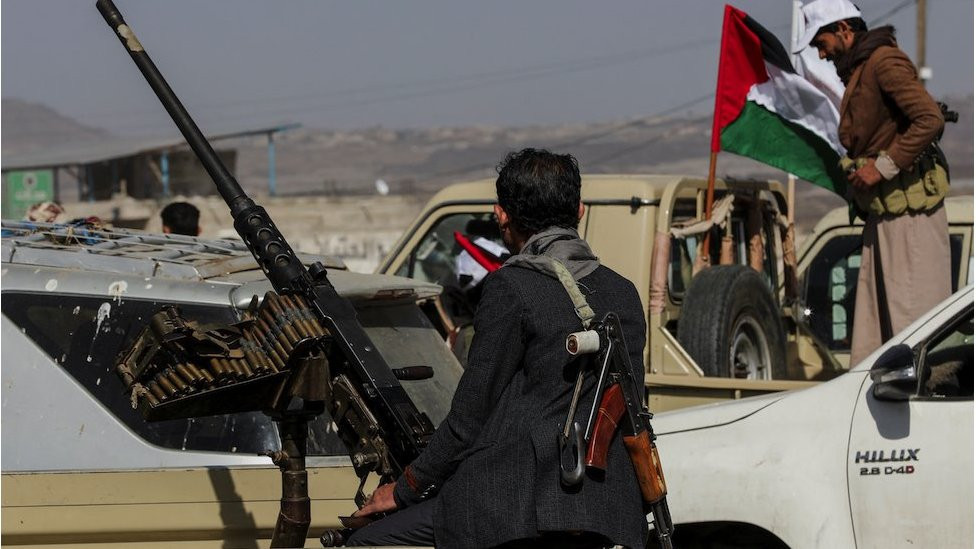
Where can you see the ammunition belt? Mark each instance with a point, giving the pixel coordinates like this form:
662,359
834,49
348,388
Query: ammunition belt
174,368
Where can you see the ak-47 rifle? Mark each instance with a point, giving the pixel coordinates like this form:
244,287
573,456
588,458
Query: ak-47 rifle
376,419
618,403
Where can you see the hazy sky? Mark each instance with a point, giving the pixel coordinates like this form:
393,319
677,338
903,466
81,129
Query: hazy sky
346,64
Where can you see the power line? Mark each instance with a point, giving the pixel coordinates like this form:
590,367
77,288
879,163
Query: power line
638,121
621,152
440,86
402,91
604,133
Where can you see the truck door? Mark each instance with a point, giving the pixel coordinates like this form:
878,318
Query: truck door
829,270
910,463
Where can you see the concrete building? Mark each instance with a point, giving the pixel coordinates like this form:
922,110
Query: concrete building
140,168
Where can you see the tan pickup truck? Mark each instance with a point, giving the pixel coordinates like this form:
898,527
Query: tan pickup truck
763,322
82,468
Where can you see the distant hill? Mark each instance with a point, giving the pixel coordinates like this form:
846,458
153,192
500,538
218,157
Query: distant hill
27,127
422,161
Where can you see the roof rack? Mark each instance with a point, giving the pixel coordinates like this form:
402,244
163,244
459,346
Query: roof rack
126,251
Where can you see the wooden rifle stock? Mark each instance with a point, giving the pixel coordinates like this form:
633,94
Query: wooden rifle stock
647,465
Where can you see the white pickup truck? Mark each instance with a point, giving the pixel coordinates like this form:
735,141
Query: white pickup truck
881,456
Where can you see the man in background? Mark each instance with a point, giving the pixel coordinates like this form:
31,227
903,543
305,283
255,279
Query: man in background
890,126
181,218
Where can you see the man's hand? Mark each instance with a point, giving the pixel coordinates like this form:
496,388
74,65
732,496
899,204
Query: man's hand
866,176
380,501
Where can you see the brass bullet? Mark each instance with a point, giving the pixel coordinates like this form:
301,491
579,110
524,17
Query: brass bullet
320,330
255,353
298,319
208,378
276,338
228,368
244,368
166,385
304,316
274,362
284,320
156,390
267,350
186,374
177,382
196,372
219,371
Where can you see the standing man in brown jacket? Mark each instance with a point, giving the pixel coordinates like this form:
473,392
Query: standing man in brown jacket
889,125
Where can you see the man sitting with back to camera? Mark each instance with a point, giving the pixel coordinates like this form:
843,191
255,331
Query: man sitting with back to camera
491,475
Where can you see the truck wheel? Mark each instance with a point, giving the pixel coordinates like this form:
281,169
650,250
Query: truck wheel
731,326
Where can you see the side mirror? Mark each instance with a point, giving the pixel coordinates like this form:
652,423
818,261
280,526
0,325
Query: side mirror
894,374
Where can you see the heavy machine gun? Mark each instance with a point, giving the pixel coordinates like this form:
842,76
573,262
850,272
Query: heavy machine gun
300,351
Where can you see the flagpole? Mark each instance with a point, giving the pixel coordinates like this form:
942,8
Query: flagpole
790,282
709,199
713,157
797,20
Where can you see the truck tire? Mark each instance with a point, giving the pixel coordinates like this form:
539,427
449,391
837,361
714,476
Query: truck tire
731,326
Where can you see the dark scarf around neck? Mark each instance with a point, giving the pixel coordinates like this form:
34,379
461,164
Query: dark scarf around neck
864,45
563,245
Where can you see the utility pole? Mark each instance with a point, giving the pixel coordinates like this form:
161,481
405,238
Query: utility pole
924,72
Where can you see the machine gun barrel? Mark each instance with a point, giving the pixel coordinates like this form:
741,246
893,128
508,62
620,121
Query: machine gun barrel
228,187
251,221
382,427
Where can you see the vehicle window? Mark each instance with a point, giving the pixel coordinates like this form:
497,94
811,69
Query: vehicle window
439,258
831,284
946,362
740,240
83,335
405,337
435,259
684,251
955,251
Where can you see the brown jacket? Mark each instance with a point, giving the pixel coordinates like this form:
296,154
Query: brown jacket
886,108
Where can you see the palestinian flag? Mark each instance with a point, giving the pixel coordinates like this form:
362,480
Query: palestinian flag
766,111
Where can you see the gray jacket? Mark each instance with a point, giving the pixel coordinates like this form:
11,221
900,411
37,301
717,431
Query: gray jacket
493,462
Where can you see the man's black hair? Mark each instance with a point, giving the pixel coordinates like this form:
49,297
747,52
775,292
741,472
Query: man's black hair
855,23
181,218
539,189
